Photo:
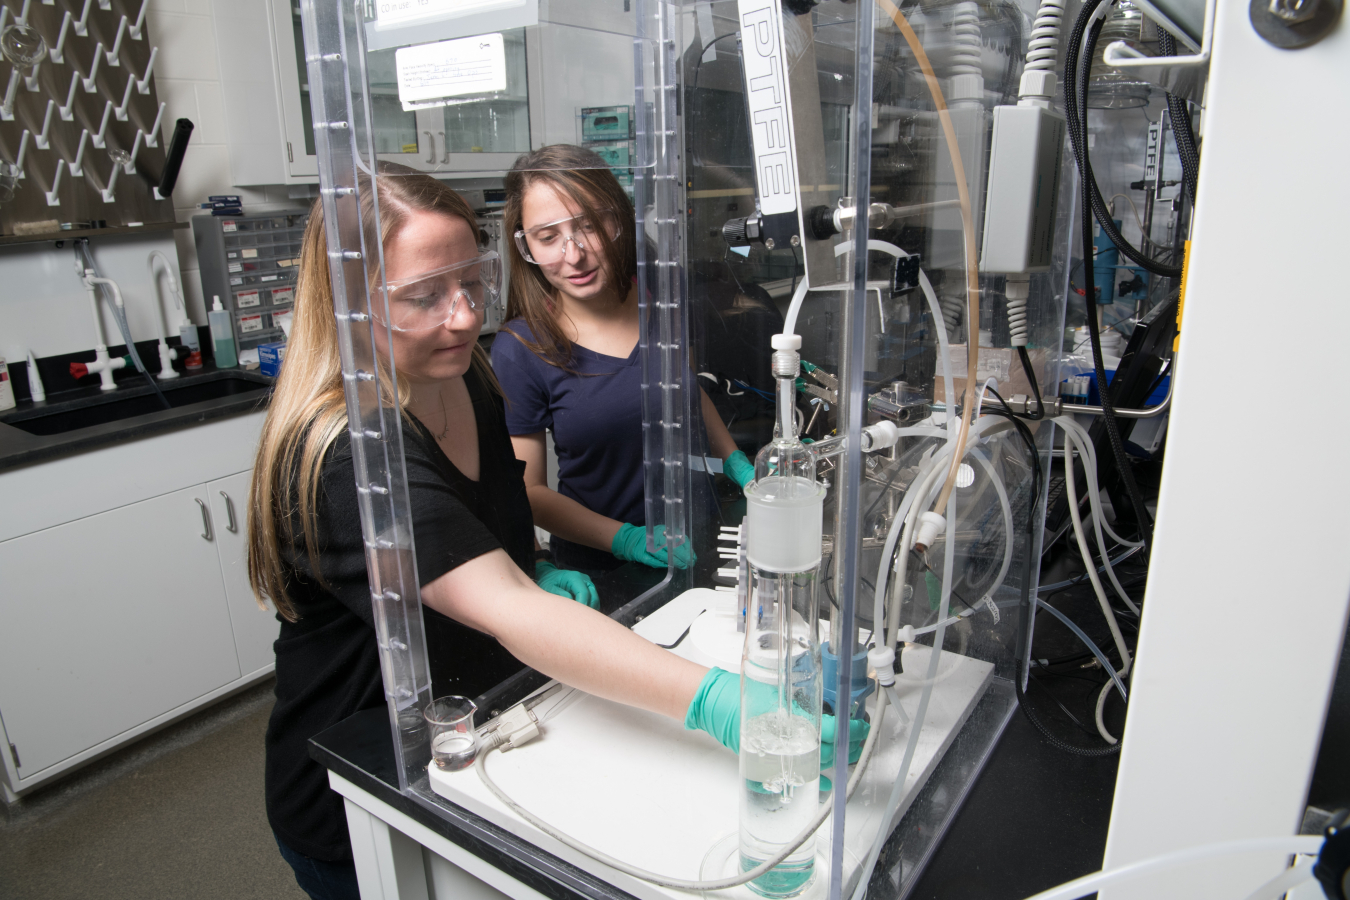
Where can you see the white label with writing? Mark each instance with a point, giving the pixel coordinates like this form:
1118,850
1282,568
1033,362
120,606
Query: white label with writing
767,97
269,278
250,323
283,295
429,73
236,267
250,254
389,11
247,298
228,226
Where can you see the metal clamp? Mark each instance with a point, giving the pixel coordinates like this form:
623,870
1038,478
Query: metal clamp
206,521
229,514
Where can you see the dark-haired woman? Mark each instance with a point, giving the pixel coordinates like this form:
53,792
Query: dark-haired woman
568,360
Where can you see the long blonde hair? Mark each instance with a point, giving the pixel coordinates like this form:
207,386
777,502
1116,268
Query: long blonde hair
581,176
308,408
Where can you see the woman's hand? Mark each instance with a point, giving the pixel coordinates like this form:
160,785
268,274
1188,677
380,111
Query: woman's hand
716,710
739,469
630,545
565,583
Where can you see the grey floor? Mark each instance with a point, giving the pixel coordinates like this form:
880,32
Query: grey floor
177,815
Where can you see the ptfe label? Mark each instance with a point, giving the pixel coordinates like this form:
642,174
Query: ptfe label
250,323
246,298
770,113
428,74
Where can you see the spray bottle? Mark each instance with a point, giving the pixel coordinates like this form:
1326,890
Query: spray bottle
780,666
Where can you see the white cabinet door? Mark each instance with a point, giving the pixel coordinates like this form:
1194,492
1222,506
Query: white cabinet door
254,629
108,622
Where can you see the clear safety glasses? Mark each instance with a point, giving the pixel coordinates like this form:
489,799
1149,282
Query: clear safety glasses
547,244
431,299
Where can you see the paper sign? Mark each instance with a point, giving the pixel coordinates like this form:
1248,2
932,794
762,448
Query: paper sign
246,298
767,97
283,295
387,11
428,74
250,323
250,254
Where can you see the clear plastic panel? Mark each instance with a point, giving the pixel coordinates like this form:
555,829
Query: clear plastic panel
883,313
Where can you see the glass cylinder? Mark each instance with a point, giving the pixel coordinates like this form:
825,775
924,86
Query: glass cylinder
780,668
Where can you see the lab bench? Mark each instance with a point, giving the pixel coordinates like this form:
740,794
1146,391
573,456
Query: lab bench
1033,819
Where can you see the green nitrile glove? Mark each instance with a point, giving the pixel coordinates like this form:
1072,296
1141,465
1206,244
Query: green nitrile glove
630,544
716,710
739,468
566,583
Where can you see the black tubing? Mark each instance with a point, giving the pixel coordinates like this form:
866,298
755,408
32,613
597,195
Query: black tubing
1181,126
1075,109
1088,186
182,132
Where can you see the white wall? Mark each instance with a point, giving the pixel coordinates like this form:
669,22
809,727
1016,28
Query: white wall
43,306
188,80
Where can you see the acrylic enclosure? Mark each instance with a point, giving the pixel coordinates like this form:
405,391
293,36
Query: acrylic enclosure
725,260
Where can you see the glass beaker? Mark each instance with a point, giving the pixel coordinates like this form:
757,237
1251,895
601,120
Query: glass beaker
454,745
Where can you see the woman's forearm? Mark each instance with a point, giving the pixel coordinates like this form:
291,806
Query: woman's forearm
569,520
719,438
564,639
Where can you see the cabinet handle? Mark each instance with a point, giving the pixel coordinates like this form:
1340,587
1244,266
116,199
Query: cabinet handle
445,157
431,160
229,513
206,520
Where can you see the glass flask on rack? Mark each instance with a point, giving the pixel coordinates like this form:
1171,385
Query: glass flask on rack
780,666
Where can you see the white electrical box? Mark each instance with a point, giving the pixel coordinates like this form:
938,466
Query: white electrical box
1019,220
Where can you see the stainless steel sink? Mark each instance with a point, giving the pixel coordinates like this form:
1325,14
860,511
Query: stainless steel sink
72,415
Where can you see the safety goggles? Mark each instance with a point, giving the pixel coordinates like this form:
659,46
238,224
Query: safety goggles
433,298
546,244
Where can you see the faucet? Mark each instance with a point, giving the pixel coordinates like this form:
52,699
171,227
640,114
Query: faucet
166,354
102,364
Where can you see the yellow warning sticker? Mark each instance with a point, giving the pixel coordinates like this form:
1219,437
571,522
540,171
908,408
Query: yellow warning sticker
1181,295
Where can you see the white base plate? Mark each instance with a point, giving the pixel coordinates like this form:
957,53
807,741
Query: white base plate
641,788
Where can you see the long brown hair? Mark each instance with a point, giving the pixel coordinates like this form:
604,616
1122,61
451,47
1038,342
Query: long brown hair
308,408
582,177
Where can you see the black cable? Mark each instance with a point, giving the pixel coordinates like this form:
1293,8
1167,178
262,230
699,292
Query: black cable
1182,132
1035,388
1060,704
1089,189
1075,109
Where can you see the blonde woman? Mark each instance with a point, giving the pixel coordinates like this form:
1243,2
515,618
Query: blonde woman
568,359
471,520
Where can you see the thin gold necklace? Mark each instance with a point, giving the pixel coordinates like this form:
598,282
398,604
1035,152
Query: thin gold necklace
445,418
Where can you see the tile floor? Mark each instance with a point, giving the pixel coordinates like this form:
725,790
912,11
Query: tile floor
177,815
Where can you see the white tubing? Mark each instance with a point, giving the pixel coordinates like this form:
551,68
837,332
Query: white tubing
897,790
1071,890
944,350
679,883
1286,881
1087,555
1094,499
794,307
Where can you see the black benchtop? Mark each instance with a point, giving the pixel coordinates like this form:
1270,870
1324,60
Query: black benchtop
19,448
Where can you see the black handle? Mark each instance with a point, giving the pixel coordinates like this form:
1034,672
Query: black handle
182,131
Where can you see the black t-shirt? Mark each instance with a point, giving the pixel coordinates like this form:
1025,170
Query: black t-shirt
328,665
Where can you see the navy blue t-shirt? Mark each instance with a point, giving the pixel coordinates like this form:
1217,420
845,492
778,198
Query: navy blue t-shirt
595,414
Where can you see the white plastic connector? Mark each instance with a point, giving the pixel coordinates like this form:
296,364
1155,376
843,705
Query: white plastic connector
906,633
1037,84
786,342
881,436
882,661
930,524
516,727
